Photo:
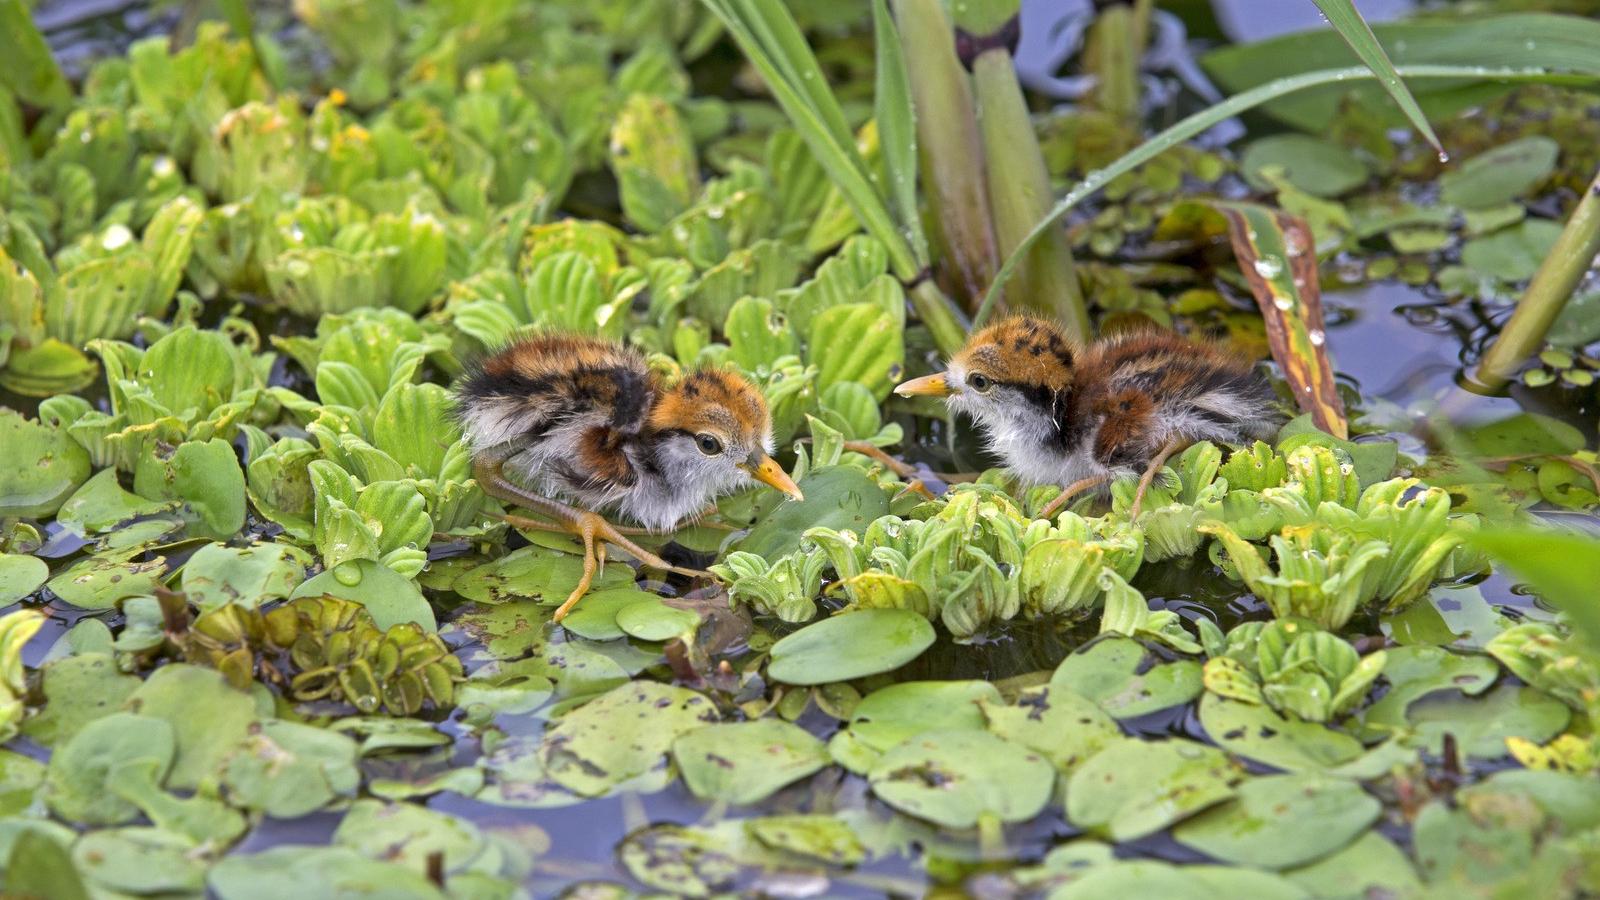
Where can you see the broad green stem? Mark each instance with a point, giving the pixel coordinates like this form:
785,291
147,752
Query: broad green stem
1227,109
948,146
1019,191
1574,252
1112,53
940,315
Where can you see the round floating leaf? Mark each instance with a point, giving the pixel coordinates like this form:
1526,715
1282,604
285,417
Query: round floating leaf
836,497
77,782
1522,434
850,645
98,582
1512,254
1482,724
1115,673
656,620
78,690
1500,174
620,735
20,576
1282,821
409,834
535,572
391,598
686,862
301,871
1256,732
41,469
101,504
1141,878
899,712
20,779
140,861
1318,167
823,838
956,778
205,475
1065,727
208,718
217,574
286,769
745,762
1372,866
595,617
1135,788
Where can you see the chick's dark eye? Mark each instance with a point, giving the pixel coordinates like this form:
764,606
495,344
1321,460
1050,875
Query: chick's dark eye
979,383
708,444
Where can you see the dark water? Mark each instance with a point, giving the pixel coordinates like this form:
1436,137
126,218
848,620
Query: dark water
1409,349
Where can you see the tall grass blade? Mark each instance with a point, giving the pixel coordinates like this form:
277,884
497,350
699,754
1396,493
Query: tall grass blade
1221,112
26,64
1548,291
1344,18
897,127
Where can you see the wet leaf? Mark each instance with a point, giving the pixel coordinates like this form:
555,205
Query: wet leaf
285,769
1512,254
837,497
1140,878
534,572
687,862
1134,788
205,475
310,871
408,834
80,770
1282,821
101,504
43,467
20,576
217,574
958,778
98,582
38,866
746,762
820,837
391,598
1109,673
207,715
1481,725
850,645
1277,255
1370,864
139,861
596,617
654,620
1316,166
621,735
1499,174
78,690
892,715
1258,732
1063,726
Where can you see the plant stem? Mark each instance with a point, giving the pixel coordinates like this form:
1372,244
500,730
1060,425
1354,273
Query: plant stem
1233,106
1019,190
1112,53
948,147
1574,252
941,316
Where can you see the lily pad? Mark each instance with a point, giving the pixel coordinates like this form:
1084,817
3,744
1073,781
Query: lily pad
957,778
409,834
20,779
595,617
43,466
535,572
655,620
623,734
217,574
1141,878
77,690
1135,788
390,597
99,581
850,645
1109,673
745,762
208,718
1065,727
1257,732
101,504
140,861
1314,165
286,769
1481,725
1370,866
1499,174
1414,672
685,862
76,784
819,837
1512,254
205,476
1282,821
309,871
20,576
1521,434
837,497
894,714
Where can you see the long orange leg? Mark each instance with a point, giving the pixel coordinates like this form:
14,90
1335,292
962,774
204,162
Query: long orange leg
1171,447
1070,491
593,528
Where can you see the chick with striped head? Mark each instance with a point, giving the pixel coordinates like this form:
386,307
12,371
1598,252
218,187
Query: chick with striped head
1056,412
576,428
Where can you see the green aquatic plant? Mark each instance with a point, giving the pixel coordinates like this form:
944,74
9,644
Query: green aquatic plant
1290,665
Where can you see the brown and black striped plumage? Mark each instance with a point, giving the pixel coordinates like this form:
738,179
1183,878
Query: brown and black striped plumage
586,421
1058,413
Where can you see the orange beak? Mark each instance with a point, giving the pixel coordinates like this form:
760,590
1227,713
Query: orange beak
926,386
763,469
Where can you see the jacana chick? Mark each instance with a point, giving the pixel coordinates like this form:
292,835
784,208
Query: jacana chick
573,427
1059,413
